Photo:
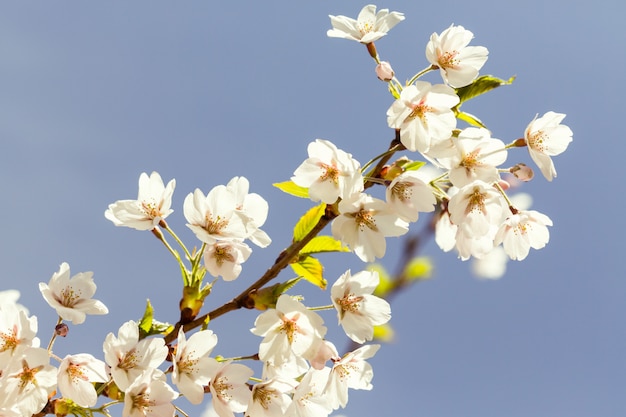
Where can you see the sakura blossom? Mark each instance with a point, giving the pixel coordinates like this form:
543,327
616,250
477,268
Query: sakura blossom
151,206
288,329
71,297
523,230
228,388
358,310
149,396
364,223
224,258
547,137
28,381
368,27
77,375
17,332
329,173
308,398
191,364
423,114
408,195
477,156
458,63
270,398
352,371
253,209
128,357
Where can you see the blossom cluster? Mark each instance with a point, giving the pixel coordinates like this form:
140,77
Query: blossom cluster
457,173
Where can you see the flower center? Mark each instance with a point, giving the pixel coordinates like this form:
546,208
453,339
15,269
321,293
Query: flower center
68,297
290,327
365,26
402,191
365,218
9,340
419,110
537,141
264,397
223,254
214,227
330,173
349,303
129,360
448,59
476,202
151,209
222,388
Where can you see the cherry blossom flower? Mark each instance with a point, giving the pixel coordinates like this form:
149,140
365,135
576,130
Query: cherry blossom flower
329,173
524,230
149,396
224,258
477,209
368,27
477,156
352,371
270,398
228,387
17,332
423,114
358,311
253,208
214,216
408,194
28,381
76,376
151,206
308,398
128,357
288,329
191,364
547,137
71,297
458,63
364,223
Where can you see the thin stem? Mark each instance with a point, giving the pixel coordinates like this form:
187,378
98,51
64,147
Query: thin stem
322,308
164,225
422,72
54,335
159,235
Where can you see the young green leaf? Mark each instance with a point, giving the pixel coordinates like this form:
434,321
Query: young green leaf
479,86
308,222
470,119
323,244
290,188
311,270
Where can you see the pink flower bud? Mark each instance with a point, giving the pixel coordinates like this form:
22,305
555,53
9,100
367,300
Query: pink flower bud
61,329
522,172
384,71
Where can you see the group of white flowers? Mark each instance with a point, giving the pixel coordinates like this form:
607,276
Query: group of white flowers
303,373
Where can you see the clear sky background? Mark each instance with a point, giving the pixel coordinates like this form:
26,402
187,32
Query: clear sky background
94,93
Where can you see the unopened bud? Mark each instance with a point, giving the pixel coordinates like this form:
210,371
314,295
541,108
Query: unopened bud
384,72
522,172
62,329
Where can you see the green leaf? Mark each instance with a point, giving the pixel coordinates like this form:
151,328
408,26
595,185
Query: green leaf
290,187
311,270
479,86
413,166
470,119
148,326
146,321
308,222
419,268
323,244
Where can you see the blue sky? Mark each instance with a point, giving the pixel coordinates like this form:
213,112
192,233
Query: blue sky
94,93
